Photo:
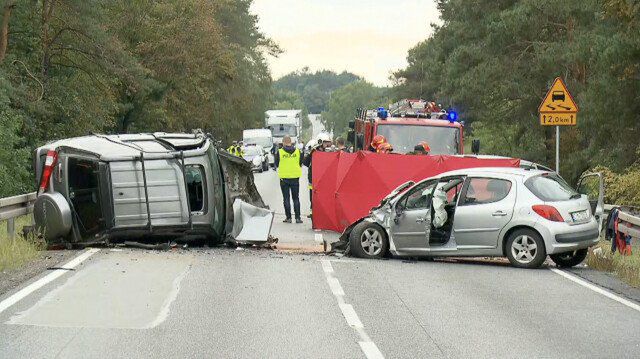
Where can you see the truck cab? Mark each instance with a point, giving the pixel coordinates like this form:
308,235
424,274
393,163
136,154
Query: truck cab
407,123
284,123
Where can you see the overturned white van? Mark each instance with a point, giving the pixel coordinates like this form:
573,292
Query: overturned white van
103,188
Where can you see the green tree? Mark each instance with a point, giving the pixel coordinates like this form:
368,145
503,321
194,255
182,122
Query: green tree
73,67
314,88
346,100
495,65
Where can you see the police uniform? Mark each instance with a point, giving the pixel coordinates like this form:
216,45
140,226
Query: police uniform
289,172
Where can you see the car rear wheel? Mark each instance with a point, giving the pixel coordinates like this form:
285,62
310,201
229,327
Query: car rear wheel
368,240
569,259
525,249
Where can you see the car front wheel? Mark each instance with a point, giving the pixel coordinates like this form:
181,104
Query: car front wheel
525,249
368,240
569,259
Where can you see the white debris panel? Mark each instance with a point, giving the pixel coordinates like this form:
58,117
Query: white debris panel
251,224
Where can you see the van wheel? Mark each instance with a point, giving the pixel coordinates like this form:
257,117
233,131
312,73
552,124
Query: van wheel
525,249
569,259
368,240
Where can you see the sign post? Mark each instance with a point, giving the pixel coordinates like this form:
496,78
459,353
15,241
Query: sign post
558,109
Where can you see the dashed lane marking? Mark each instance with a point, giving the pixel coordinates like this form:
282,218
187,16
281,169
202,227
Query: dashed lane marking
21,294
370,350
326,266
350,315
335,286
368,347
597,289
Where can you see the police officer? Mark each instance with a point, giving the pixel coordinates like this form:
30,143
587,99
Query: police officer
288,160
233,148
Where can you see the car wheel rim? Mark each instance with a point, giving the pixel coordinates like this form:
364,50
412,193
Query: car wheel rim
371,241
524,249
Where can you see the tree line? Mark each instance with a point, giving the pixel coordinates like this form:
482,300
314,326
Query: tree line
74,67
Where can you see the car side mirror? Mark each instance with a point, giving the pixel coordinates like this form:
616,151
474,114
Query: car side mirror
475,146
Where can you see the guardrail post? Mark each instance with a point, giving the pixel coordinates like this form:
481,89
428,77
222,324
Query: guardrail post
11,228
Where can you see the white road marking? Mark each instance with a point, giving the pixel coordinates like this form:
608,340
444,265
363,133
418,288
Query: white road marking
326,267
335,286
350,315
370,350
15,298
597,289
368,347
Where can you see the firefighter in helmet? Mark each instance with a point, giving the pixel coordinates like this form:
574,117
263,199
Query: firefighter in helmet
422,148
377,141
384,148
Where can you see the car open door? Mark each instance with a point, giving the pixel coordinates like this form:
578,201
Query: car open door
592,185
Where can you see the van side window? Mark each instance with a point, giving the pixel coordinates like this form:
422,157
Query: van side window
195,187
486,190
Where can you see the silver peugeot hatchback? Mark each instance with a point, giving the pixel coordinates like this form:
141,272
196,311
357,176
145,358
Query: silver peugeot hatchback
521,214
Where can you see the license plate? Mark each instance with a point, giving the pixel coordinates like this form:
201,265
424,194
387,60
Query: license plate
580,216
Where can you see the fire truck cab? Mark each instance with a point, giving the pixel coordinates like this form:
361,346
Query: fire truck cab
407,123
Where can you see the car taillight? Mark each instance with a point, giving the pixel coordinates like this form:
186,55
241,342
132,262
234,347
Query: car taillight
548,212
49,164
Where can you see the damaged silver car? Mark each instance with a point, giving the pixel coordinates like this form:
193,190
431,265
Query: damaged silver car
102,188
521,214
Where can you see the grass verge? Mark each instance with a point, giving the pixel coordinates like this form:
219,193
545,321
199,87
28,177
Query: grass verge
19,250
627,268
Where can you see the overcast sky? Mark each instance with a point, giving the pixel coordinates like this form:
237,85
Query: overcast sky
367,37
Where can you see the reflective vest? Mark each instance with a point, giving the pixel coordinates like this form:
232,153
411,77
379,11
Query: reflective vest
232,150
289,166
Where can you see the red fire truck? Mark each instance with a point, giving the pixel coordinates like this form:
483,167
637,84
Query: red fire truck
408,122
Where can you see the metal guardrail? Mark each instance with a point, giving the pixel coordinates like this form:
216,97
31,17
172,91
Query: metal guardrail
629,222
16,206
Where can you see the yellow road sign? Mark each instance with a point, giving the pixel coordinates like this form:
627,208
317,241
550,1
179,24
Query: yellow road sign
558,119
558,107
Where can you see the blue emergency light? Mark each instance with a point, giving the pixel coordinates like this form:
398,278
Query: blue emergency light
382,113
452,116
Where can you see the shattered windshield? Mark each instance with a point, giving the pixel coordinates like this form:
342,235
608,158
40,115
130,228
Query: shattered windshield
403,138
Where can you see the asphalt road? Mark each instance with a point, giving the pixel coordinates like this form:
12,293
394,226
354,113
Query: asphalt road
290,234
252,303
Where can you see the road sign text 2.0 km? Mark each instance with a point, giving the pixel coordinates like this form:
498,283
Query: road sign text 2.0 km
558,119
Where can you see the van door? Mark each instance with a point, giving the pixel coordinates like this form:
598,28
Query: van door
592,185
85,195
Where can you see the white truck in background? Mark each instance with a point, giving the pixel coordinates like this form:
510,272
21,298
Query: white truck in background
283,123
260,137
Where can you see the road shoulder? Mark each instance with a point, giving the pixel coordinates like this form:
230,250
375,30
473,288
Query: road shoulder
10,279
607,281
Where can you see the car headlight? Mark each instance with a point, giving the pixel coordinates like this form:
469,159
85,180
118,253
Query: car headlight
257,161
